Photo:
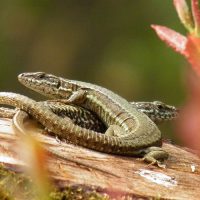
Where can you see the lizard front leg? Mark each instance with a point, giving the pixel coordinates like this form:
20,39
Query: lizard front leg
78,97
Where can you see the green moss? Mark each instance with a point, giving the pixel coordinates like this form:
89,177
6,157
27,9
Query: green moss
77,193
19,186
14,185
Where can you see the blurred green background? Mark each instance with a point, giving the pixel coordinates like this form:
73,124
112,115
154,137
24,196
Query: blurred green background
106,42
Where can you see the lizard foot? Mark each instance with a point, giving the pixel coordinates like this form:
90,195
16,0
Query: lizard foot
155,156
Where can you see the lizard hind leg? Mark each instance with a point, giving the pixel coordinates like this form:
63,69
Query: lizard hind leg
155,156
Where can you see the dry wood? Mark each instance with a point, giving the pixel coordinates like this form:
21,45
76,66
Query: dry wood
123,177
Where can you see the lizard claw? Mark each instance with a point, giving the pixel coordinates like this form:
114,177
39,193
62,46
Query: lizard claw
158,163
153,162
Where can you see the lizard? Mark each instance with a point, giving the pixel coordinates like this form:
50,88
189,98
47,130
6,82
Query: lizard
157,111
65,128
129,132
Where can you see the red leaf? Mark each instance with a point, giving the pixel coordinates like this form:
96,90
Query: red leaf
184,14
171,38
192,52
196,16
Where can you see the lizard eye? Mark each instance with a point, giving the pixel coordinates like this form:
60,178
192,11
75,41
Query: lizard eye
41,75
58,84
159,104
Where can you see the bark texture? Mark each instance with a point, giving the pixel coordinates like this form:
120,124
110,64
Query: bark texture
118,177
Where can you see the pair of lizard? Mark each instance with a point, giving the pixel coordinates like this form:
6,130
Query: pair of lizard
130,132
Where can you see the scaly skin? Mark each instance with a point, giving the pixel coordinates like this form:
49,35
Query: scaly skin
157,111
7,112
130,132
19,119
79,116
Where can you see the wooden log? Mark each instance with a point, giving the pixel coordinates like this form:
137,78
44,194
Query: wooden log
119,177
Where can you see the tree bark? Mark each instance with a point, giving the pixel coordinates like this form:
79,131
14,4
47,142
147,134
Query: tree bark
119,177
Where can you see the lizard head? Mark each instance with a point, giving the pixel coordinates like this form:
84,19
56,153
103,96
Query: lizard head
47,84
158,111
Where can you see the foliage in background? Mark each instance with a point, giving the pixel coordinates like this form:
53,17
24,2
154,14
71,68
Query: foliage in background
101,42
189,46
